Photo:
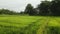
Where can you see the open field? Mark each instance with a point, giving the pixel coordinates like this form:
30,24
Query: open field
29,25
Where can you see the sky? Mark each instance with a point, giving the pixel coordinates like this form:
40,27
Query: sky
17,5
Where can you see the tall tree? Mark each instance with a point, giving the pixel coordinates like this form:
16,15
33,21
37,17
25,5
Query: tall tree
29,9
55,7
44,8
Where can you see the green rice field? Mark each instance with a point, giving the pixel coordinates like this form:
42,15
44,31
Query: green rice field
14,24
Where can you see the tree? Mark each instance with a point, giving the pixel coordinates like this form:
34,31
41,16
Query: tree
44,8
21,12
29,9
8,12
55,7
36,11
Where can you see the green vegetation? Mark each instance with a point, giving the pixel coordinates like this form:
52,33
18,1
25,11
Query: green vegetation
45,8
15,24
39,20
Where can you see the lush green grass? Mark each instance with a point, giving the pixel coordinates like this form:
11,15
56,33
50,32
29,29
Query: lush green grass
15,24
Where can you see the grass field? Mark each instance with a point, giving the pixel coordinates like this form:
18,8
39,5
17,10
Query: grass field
29,24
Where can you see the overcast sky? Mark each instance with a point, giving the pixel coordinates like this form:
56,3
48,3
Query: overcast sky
17,5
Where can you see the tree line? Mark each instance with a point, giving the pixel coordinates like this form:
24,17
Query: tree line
7,12
45,8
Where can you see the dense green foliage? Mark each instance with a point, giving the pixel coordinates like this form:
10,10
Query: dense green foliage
46,8
49,8
29,10
55,8
7,12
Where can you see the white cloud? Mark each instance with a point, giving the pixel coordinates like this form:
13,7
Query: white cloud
17,5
